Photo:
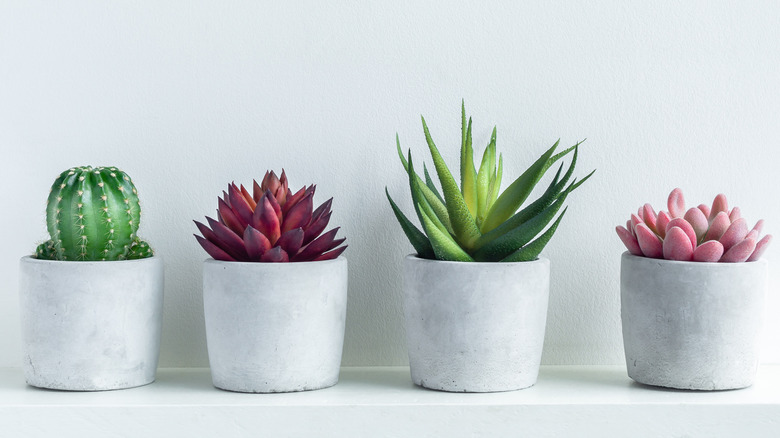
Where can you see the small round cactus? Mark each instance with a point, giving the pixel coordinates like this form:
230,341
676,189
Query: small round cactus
93,214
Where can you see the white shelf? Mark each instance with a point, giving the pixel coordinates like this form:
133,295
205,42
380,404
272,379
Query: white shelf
568,401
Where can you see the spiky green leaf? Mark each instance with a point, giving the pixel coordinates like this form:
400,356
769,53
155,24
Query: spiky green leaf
531,251
416,237
444,246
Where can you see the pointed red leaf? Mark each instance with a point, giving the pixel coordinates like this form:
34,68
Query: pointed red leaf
293,199
249,199
316,228
213,250
257,191
629,241
291,241
319,245
229,241
299,215
206,231
266,221
271,182
275,255
321,210
331,255
710,251
274,204
256,243
238,204
227,217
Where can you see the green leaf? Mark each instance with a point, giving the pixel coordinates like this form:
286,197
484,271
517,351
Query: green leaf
517,192
531,251
486,170
509,242
495,184
468,175
463,225
433,198
430,184
416,237
419,198
444,246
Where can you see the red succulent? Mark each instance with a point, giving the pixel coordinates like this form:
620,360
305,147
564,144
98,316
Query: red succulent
270,225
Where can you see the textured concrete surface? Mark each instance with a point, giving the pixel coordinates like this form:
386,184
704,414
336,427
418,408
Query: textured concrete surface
475,327
275,327
691,325
91,326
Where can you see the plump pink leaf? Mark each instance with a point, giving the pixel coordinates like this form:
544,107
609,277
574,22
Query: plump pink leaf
256,243
275,255
735,233
685,227
758,226
629,241
299,215
291,241
677,244
705,209
661,223
641,214
719,204
761,246
739,252
718,226
710,251
636,220
213,250
331,254
648,242
266,221
676,203
735,214
698,221
649,216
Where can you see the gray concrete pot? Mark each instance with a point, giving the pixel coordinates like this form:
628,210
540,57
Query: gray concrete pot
475,327
90,326
275,327
691,325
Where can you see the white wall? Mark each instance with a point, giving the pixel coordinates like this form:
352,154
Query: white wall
188,96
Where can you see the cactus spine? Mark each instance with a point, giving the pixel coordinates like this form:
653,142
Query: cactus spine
93,214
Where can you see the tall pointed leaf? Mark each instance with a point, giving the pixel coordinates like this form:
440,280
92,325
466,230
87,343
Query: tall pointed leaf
416,237
463,225
444,246
531,251
468,175
433,199
484,175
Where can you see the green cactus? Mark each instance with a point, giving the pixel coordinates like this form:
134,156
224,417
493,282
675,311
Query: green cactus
93,214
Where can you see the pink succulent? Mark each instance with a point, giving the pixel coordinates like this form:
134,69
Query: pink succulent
700,234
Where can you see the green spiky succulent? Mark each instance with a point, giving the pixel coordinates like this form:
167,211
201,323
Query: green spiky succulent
476,221
93,214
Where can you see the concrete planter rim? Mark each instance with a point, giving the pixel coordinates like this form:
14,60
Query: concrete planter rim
704,265
31,259
278,265
415,257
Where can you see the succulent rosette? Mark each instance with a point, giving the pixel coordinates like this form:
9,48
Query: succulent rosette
700,234
272,224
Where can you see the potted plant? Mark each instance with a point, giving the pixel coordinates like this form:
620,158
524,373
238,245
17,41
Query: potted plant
476,291
692,287
91,296
274,291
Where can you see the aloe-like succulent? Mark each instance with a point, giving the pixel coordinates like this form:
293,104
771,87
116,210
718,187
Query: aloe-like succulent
270,225
700,234
476,221
93,214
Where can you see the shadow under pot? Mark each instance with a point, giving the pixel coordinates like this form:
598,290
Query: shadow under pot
275,327
90,326
475,327
692,325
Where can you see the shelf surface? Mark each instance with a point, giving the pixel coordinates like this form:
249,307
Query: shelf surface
382,401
